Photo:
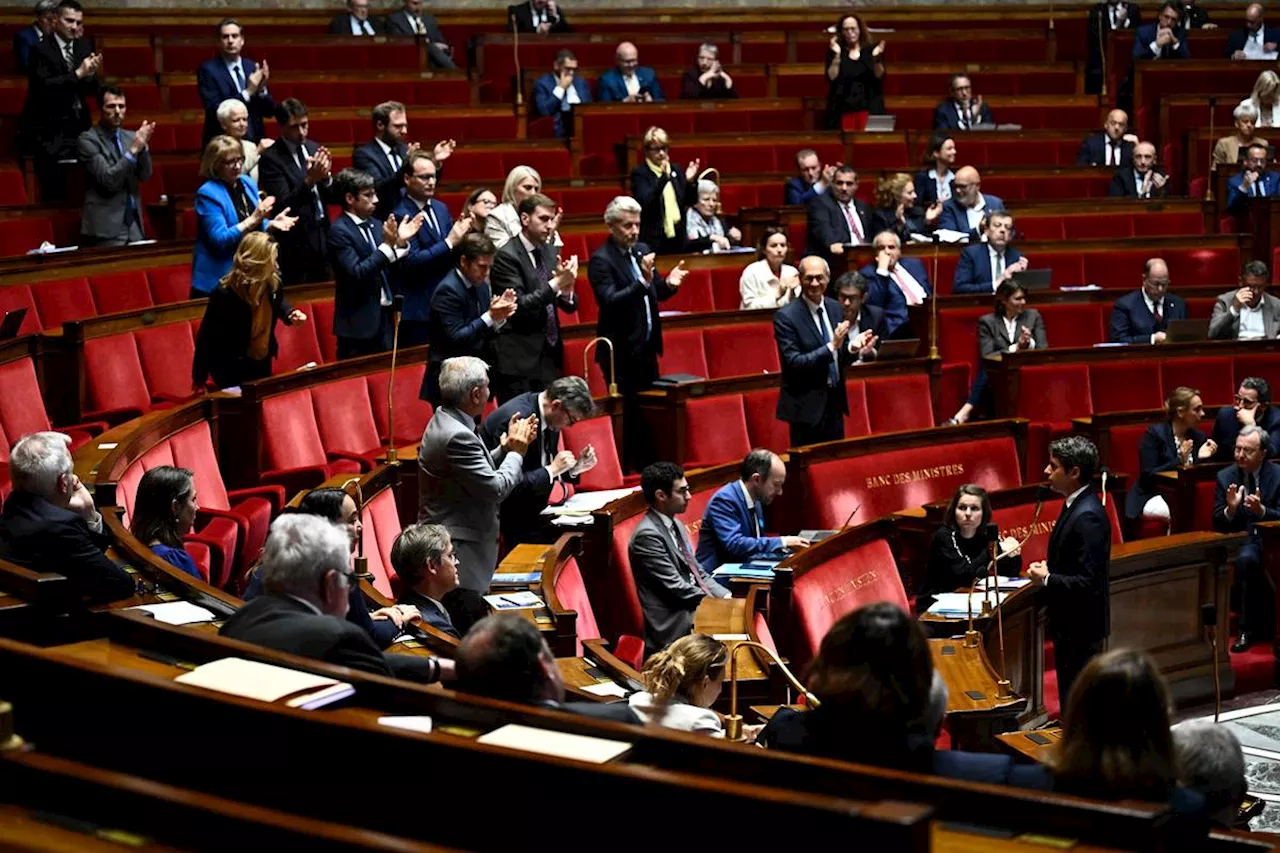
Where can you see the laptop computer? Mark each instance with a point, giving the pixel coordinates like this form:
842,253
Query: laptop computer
902,348
1182,331
11,323
1038,279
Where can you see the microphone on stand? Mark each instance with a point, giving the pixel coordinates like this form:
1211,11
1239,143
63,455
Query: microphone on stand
397,309
1004,689
515,55
1209,619
1105,471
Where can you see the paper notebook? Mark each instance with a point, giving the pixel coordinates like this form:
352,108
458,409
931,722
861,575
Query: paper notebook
261,681
177,612
514,601
595,750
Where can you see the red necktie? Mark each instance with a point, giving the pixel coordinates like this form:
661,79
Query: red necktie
688,558
854,225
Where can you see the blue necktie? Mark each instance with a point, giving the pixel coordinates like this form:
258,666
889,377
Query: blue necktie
648,314
132,204
239,78
367,228
833,371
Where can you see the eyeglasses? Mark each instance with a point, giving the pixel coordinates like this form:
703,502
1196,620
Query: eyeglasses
683,490
1245,403
657,148
233,161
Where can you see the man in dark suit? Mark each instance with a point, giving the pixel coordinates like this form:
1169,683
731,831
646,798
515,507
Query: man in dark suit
1254,180
1111,146
629,82
866,322
116,161
1076,575
812,179
893,283
1165,39
962,110
1252,407
384,156
669,581
1246,493
233,75
983,266
835,218
968,206
28,37
465,316
529,351
733,527
295,171
427,567
538,16
556,92
1255,40
356,21
412,21
1142,316
431,250
811,334
505,657
1142,179
306,577
49,522
361,249
62,74
1104,18
628,287
1195,17
547,468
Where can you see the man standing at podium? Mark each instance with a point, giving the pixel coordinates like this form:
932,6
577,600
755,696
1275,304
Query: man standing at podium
1076,574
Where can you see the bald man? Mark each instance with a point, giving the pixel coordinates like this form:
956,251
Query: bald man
1142,179
628,82
1256,40
1112,146
968,204
1141,316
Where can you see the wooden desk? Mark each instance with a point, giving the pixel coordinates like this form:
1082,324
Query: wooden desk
729,616
975,713
1026,744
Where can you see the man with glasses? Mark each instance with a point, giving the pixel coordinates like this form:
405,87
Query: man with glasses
629,82
1247,313
669,581
1254,180
968,205
836,219
962,110
1142,179
547,468
1141,317
1252,408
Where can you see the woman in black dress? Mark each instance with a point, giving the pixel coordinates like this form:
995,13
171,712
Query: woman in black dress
960,550
854,69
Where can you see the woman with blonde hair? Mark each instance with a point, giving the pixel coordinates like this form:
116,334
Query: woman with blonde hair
237,337
682,682
1227,150
897,211
665,192
1264,99
1173,443
503,223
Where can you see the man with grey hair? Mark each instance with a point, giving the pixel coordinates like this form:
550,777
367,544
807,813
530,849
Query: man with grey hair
28,37
707,79
306,578
1246,493
547,468
628,287
50,524
460,482
425,562
1210,761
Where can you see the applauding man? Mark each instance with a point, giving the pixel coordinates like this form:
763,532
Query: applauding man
1248,492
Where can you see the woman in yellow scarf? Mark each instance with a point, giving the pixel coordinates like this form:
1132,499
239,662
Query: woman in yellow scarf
237,337
665,192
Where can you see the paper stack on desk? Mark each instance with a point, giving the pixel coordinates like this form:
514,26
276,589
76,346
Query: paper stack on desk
524,600
581,503
956,604
266,683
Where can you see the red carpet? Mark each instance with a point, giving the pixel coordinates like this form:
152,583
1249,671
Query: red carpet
1254,669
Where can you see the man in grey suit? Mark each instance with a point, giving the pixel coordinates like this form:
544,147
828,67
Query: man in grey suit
460,483
115,161
669,580
1249,312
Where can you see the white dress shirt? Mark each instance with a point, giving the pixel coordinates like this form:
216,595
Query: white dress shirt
911,289
566,97
1254,46
392,253
1155,48
975,213
1151,306
1071,498
394,159
819,315
850,213
486,317
632,83
943,184
359,27
758,286
1012,327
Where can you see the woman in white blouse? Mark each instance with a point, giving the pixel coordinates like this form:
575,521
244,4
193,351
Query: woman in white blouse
682,682
1266,99
769,283
503,223
233,115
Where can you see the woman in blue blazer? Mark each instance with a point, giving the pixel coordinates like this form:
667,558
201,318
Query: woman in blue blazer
227,207
1167,446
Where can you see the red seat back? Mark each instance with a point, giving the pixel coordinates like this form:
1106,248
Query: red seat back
344,415
572,593
166,353
113,374
1053,393
22,409
597,432
740,350
856,422
60,301
381,527
852,579
1211,375
1123,443
1265,365
411,413
170,284
620,610
682,352
1068,325
573,350
715,430
193,448
125,291
763,427
1120,385
297,344
899,403
290,435
694,295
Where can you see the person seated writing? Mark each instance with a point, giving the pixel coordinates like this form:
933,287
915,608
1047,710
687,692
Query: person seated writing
960,551
164,511
682,682
1173,443
733,522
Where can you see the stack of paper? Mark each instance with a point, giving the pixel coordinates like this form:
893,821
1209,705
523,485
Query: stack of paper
955,604
514,601
516,578
580,503
753,571
560,744
177,612
266,683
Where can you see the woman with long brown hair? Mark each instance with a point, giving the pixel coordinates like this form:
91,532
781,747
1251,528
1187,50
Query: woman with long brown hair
854,68
237,337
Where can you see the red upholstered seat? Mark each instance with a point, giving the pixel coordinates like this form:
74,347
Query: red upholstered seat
169,284
953,388
411,414
899,403
1202,518
857,422
619,611
725,292
19,236
682,352
1016,521
1122,385
199,554
166,353
22,409
740,350
1266,366
1078,325
297,344
1212,375
694,295
125,291
293,454
63,300
572,593
381,527
1050,396
889,481
115,387
763,427
15,296
1122,453
958,335
344,417
598,432
852,579
573,350
715,430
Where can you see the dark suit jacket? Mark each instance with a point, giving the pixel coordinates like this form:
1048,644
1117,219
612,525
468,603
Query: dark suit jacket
796,191
825,224
521,348
668,591
47,538
993,337
545,102
1236,40
57,105
1193,17
1144,35
397,24
1133,323
223,339
883,292
691,88
523,15
216,85
647,188
23,41
1124,184
110,180
281,623
1077,593
611,88
886,219
432,615
927,187
359,271
1093,151
1156,453
370,158
870,318
280,175
623,298
728,534
455,327
1268,482
1238,200
430,259
518,513
946,116
955,216
973,273
806,361
341,25
1226,428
